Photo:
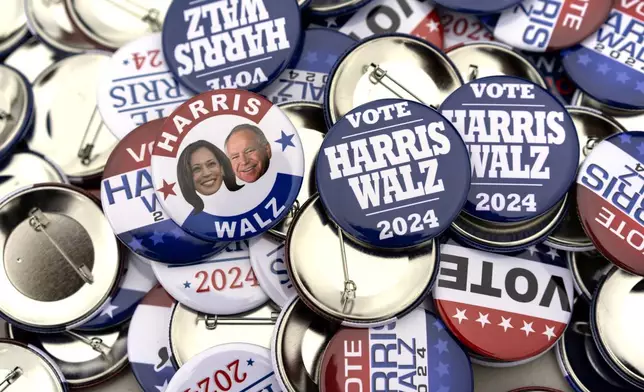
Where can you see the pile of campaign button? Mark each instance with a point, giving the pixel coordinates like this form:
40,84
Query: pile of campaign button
609,199
506,307
197,42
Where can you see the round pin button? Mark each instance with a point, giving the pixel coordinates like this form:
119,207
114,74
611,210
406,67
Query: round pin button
119,308
16,109
134,211
205,43
389,66
61,260
227,165
367,288
305,79
416,18
137,86
13,29
367,358
85,359
68,129
459,28
607,64
224,284
112,24
26,368
523,147
539,26
477,6
616,327
393,173
267,259
504,307
148,343
240,366
22,169
32,57
609,195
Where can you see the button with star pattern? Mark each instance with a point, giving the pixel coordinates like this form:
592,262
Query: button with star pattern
227,165
134,211
608,65
610,196
504,307
417,348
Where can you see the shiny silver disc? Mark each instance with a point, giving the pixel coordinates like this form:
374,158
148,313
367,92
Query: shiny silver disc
630,119
28,369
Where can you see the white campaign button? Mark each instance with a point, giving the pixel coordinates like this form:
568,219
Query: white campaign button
267,260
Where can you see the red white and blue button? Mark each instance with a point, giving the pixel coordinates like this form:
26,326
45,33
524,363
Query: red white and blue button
523,146
218,44
610,199
133,209
609,65
393,173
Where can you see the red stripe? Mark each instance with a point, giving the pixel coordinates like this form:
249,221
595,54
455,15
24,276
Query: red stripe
345,364
158,297
423,31
634,8
579,19
121,161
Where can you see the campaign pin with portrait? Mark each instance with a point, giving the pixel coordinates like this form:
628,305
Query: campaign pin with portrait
227,165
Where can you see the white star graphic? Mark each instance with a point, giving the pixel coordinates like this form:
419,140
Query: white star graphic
432,25
505,323
163,387
460,315
331,22
109,309
527,328
553,253
550,332
533,249
483,319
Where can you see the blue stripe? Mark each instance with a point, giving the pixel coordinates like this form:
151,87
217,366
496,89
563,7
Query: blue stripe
257,382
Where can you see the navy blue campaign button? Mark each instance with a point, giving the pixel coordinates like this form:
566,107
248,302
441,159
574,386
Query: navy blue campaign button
227,165
133,209
217,44
609,65
477,6
393,173
137,86
523,147
305,78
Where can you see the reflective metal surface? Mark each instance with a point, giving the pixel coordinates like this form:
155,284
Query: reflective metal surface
26,168
16,107
13,26
477,60
569,235
629,119
192,332
27,369
617,323
48,19
42,280
84,358
385,286
113,23
32,57
301,337
308,119
68,128
507,237
333,6
588,268
390,66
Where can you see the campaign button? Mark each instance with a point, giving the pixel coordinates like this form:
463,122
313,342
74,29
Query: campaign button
413,17
477,6
234,367
267,257
216,44
26,368
393,173
459,28
137,86
305,79
227,165
546,25
609,65
133,208
523,146
610,199
224,284
505,307
135,284
414,353
148,343
551,67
